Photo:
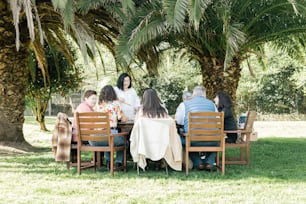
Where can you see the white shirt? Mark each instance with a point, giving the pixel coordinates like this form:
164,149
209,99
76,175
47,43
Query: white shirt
131,101
180,114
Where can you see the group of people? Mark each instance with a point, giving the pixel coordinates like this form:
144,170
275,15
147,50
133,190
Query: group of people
122,103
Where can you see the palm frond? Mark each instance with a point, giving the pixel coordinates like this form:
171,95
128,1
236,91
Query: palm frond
196,11
67,10
176,11
146,25
40,56
234,39
27,5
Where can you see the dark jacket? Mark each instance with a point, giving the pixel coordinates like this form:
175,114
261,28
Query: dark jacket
229,120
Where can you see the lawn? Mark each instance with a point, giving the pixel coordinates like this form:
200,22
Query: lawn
277,174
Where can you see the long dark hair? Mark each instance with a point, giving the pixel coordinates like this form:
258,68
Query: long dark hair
224,100
152,105
107,93
121,79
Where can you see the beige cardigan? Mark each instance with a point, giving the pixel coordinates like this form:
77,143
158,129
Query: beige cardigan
156,139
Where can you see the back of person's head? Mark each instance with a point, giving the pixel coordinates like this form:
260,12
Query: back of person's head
199,91
107,94
89,93
152,105
186,95
224,99
121,80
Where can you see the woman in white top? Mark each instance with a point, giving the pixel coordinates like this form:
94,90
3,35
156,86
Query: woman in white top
129,101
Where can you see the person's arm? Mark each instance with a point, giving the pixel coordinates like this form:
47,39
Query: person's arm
180,114
120,113
119,95
136,99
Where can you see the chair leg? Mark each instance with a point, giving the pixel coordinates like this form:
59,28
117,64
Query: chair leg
187,162
247,155
68,165
79,162
166,166
223,162
112,163
241,153
94,160
137,168
125,155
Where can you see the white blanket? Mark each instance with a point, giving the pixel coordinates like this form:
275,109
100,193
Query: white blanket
156,139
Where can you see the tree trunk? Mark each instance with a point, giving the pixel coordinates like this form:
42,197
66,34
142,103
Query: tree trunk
40,111
212,76
232,78
14,73
216,79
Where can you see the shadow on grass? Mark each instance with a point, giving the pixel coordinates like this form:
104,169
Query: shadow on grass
272,158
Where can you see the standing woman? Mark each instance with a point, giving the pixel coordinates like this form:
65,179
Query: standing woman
224,104
129,101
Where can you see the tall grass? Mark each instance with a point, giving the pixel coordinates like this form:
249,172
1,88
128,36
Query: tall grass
277,174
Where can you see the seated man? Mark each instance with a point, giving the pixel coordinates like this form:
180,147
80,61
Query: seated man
198,103
179,114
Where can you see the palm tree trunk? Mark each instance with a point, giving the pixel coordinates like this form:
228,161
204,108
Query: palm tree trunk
231,81
212,76
215,78
14,73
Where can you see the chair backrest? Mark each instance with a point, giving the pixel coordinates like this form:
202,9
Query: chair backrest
206,126
93,126
251,117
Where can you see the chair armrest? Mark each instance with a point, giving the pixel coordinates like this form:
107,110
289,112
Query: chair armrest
237,131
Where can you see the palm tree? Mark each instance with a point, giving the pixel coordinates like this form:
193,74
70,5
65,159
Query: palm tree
19,35
217,34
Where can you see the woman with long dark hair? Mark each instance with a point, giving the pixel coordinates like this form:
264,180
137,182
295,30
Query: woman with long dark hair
224,104
152,106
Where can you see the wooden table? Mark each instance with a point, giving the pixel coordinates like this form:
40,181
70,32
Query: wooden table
126,126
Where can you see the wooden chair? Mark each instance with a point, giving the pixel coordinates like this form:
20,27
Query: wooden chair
84,164
206,127
94,126
243,141
156,139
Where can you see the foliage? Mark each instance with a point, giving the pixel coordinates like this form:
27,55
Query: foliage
62,76
275,96
279,89
169,90
218,34
176,74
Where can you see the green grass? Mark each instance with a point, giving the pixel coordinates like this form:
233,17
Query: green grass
277,174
